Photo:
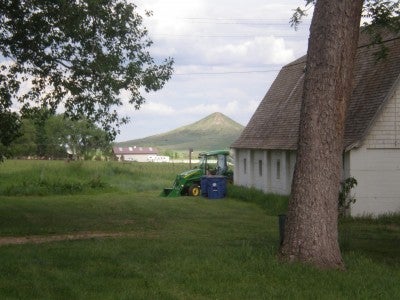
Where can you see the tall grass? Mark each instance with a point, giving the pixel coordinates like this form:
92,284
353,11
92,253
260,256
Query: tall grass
18,178
47,178
273,204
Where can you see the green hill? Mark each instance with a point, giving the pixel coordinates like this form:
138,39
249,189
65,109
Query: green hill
215,131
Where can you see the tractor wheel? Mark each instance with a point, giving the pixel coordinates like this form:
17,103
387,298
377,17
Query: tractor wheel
194,190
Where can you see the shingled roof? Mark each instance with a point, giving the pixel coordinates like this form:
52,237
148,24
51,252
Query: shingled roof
275,123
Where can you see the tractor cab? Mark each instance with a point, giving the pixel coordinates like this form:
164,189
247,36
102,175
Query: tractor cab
188,182
213,163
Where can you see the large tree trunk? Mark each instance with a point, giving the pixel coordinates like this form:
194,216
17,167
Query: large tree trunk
311,233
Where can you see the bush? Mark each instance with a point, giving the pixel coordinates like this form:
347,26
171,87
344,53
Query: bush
345,198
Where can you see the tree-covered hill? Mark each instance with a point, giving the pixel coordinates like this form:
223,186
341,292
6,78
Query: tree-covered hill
216,131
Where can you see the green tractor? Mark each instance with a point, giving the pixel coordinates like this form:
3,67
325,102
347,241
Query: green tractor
188,182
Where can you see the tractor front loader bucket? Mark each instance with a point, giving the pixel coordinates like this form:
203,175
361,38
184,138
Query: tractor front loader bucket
175,191
171,192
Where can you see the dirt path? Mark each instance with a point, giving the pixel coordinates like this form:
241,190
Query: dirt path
39,239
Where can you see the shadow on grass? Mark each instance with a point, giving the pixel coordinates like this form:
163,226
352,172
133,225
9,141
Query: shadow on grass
375,238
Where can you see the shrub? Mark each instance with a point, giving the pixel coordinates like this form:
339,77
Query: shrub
345,198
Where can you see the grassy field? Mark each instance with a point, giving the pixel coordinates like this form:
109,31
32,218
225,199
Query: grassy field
179,248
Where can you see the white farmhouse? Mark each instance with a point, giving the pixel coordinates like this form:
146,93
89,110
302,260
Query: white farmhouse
265,153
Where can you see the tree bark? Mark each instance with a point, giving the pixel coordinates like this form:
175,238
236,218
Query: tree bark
311,233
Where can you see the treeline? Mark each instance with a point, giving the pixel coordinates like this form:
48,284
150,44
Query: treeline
59,137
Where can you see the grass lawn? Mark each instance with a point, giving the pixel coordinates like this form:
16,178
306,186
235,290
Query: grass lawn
169,248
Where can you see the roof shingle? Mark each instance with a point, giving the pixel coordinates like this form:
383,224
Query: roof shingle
275,123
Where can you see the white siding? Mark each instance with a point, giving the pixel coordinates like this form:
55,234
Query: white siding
241,173
376,170
270,171
135,157
259,171
278,172
378,174
376,165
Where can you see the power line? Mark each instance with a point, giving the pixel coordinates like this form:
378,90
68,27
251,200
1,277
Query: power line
230,19
233,21
250,21
225,35
227,72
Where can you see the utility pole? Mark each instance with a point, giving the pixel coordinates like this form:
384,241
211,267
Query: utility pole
190,157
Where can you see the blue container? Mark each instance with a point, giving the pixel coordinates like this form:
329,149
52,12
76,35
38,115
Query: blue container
204,186
213,187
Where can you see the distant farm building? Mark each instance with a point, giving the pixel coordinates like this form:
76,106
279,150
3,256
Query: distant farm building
134,153
157,158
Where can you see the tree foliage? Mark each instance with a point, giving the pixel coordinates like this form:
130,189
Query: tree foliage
79,137
80,55
56,136
25,144
10,124
379,13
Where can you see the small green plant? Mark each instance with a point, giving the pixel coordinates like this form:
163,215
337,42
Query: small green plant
345,198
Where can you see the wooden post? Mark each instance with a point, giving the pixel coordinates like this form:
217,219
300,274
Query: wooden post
190,157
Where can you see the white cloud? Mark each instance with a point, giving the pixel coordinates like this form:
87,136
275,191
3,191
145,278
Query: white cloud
201,109
260,50
156,108
232,107
168,16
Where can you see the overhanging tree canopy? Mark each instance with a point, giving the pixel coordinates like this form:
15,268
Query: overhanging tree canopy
77,54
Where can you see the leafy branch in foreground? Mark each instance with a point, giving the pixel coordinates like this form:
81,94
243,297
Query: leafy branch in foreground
300,13
80,55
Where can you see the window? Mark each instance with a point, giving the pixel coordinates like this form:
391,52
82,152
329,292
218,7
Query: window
278,169
260,168
244,166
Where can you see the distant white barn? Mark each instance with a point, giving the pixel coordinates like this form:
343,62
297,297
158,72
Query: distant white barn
265,153
134,153
157,158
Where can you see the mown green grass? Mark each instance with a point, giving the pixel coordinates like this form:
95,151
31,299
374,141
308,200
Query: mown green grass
376,238
180,248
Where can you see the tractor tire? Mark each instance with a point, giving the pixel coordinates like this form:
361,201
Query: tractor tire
194,190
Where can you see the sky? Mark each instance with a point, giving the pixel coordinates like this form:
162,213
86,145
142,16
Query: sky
227,54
